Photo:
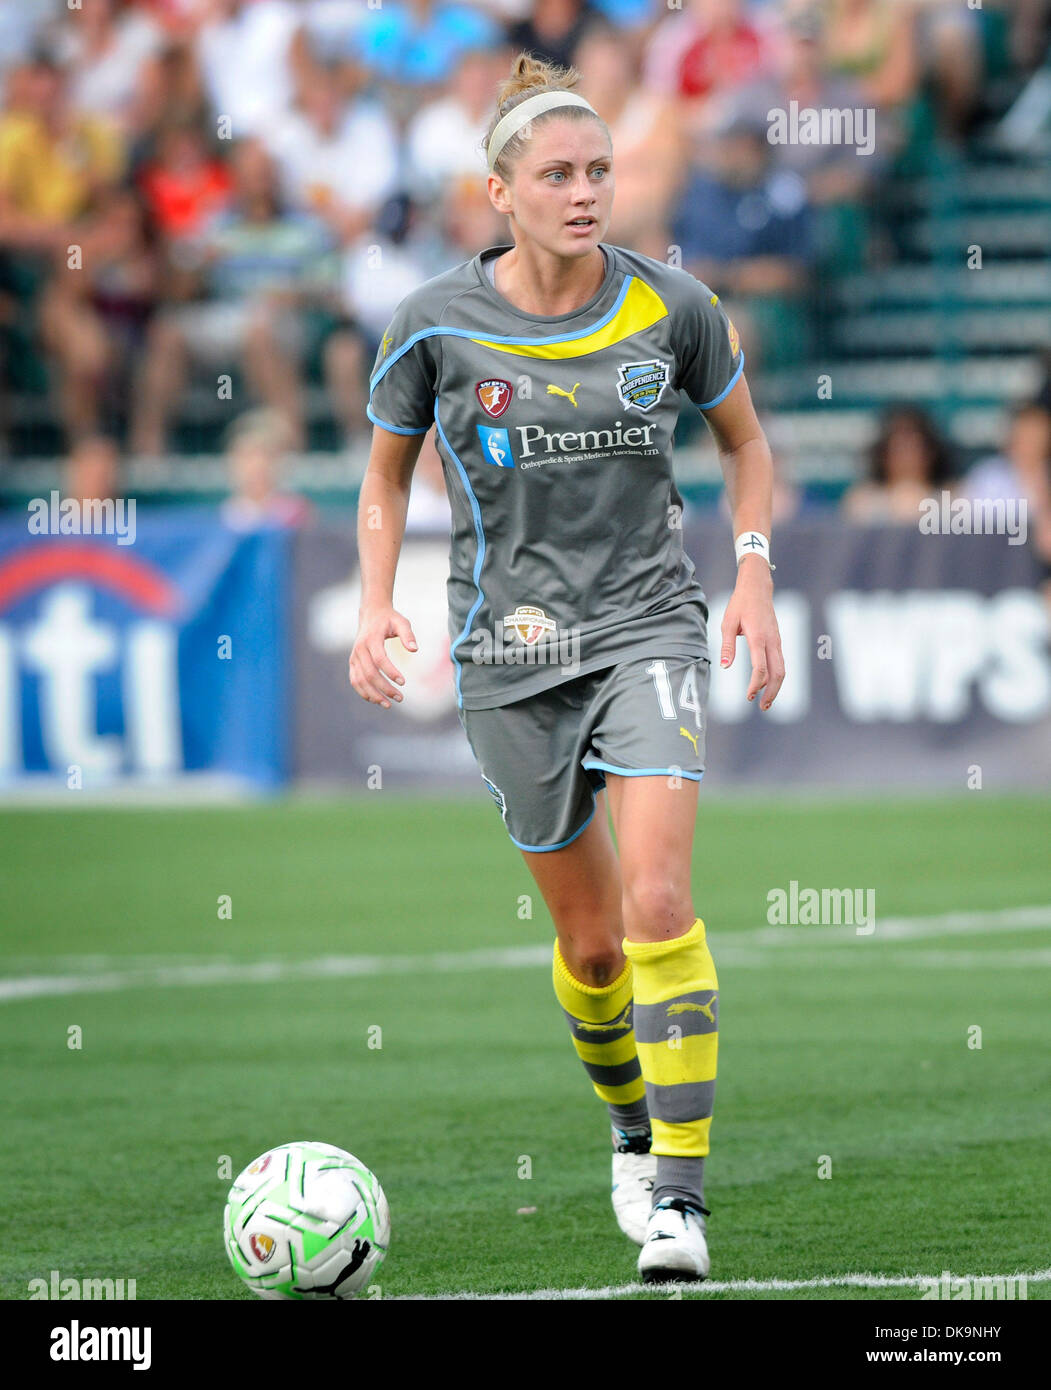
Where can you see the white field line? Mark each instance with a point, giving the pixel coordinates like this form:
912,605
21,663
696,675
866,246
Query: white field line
835,1281
747,950
905,928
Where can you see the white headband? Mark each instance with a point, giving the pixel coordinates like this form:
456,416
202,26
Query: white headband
522,114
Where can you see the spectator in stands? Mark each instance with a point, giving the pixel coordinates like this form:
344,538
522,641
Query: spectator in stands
909,461
649,146
176,17
95,319
337,156
386,265
56,166
443,141
1023,468
26,28
112,52
553,28
259,265
705,51
634,20
54,160
257,445
185,186
874,42
467,223
1030,32
747,231
379,269
331,26
949,51
1023,472
182,99
92,470
833,173
411,48
251,53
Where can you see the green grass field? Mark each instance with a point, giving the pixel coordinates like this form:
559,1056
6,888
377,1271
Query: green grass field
830,1044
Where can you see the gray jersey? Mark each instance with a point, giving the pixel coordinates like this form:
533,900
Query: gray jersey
555,435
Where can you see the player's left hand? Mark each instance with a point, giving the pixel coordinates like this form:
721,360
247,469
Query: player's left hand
750,613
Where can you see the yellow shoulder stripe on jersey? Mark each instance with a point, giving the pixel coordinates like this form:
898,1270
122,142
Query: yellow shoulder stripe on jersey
641,307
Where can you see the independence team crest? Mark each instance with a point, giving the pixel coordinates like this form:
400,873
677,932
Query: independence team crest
642,384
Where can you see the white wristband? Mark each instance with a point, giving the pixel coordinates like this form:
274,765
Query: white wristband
752,543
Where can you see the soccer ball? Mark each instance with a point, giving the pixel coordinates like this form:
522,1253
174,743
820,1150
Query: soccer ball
306,1220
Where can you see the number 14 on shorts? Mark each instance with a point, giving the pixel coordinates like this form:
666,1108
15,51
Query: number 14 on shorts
689,695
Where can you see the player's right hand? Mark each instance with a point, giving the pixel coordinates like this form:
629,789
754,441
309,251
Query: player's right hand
372,673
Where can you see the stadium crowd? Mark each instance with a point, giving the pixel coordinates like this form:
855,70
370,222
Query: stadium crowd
205,189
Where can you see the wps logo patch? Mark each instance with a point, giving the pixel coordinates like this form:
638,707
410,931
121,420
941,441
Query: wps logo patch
263,1247
494,395
529,623
642,384
496,446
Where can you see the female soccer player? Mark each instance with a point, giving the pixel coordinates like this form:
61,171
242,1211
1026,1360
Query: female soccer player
552,370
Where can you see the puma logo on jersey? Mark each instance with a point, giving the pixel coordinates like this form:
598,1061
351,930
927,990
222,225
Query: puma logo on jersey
385,346
688,1007
692,737
570,395
623,1019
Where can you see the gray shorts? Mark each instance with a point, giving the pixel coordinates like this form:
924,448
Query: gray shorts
544,758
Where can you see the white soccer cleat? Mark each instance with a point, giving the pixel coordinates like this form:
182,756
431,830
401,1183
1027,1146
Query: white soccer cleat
633,1177
675,1247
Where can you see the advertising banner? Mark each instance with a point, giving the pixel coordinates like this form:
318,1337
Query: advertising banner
143,655
914,661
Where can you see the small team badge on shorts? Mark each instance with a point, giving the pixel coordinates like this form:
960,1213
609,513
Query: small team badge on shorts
642,384
498,797
529,623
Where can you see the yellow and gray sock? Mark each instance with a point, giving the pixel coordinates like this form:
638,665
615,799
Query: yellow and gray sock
676,1012
600,1021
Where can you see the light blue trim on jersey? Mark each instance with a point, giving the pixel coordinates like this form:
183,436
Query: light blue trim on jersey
723,394
394,429
517,340
544,849
479,530
645,771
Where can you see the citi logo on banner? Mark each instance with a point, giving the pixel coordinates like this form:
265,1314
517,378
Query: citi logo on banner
58,657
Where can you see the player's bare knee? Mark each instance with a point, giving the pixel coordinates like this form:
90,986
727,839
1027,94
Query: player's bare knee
658,904
596,966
